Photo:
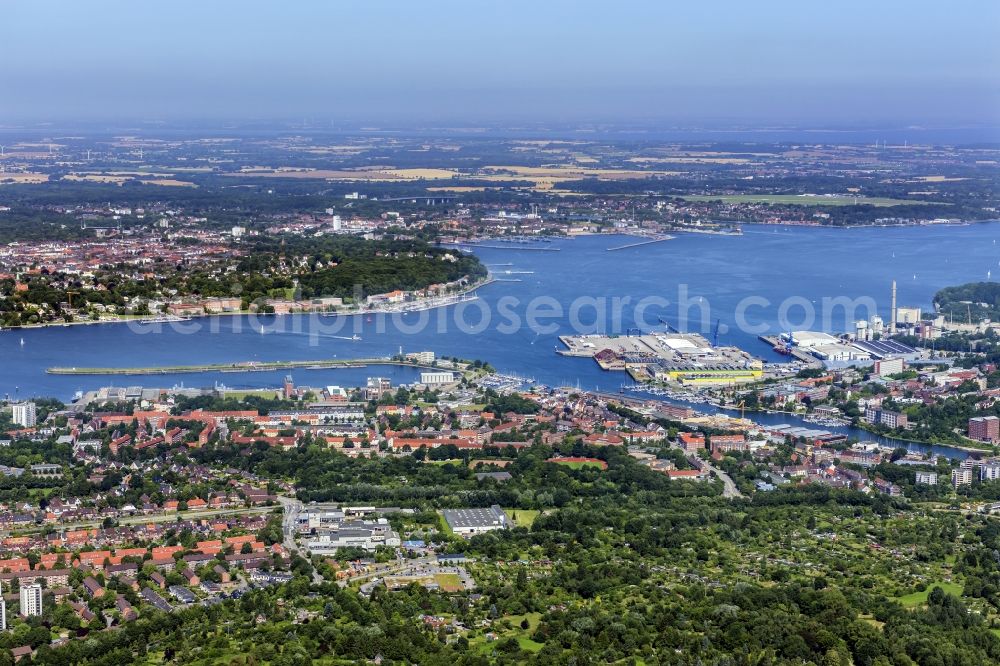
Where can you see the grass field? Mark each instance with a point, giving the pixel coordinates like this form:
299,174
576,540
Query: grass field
806,200
529,645
445,527
522,634
522,517
920,598
580,465
449,582
260,393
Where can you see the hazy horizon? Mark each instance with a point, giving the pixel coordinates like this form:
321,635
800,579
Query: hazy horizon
440,63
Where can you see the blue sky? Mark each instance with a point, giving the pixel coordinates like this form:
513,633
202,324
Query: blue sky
844,62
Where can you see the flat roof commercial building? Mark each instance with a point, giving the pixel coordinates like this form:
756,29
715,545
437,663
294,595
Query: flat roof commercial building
436,377
468,522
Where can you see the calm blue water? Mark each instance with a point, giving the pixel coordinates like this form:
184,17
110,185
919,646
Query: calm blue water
770,264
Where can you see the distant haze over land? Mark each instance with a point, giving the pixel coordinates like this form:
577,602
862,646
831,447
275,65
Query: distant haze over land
321,128
650,64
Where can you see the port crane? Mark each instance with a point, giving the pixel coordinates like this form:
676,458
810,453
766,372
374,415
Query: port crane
715,333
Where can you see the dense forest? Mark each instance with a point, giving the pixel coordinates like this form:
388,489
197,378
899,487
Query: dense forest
340,265
975,301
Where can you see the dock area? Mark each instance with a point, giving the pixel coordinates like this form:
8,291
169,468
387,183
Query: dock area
682,358
799,355
639,243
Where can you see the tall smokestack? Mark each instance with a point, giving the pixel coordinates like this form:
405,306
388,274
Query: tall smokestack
892,322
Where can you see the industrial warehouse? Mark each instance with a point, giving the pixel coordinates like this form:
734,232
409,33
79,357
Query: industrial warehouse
836,352
328,528
469,522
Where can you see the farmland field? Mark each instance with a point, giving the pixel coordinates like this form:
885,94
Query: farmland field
23,178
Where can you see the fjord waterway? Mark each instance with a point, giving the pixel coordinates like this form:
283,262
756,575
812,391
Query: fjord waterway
562,287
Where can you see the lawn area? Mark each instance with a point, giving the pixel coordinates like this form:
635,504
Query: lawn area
522,517
532,618
241,395
580,465
806,200
522,639
920,598
449,582
529,645
445,527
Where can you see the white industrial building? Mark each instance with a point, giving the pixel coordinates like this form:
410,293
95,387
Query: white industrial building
811,339
837,352
437,377
468,522
330,528
364,534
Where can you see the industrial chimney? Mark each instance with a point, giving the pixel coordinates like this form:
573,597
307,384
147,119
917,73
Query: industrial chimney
892,322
